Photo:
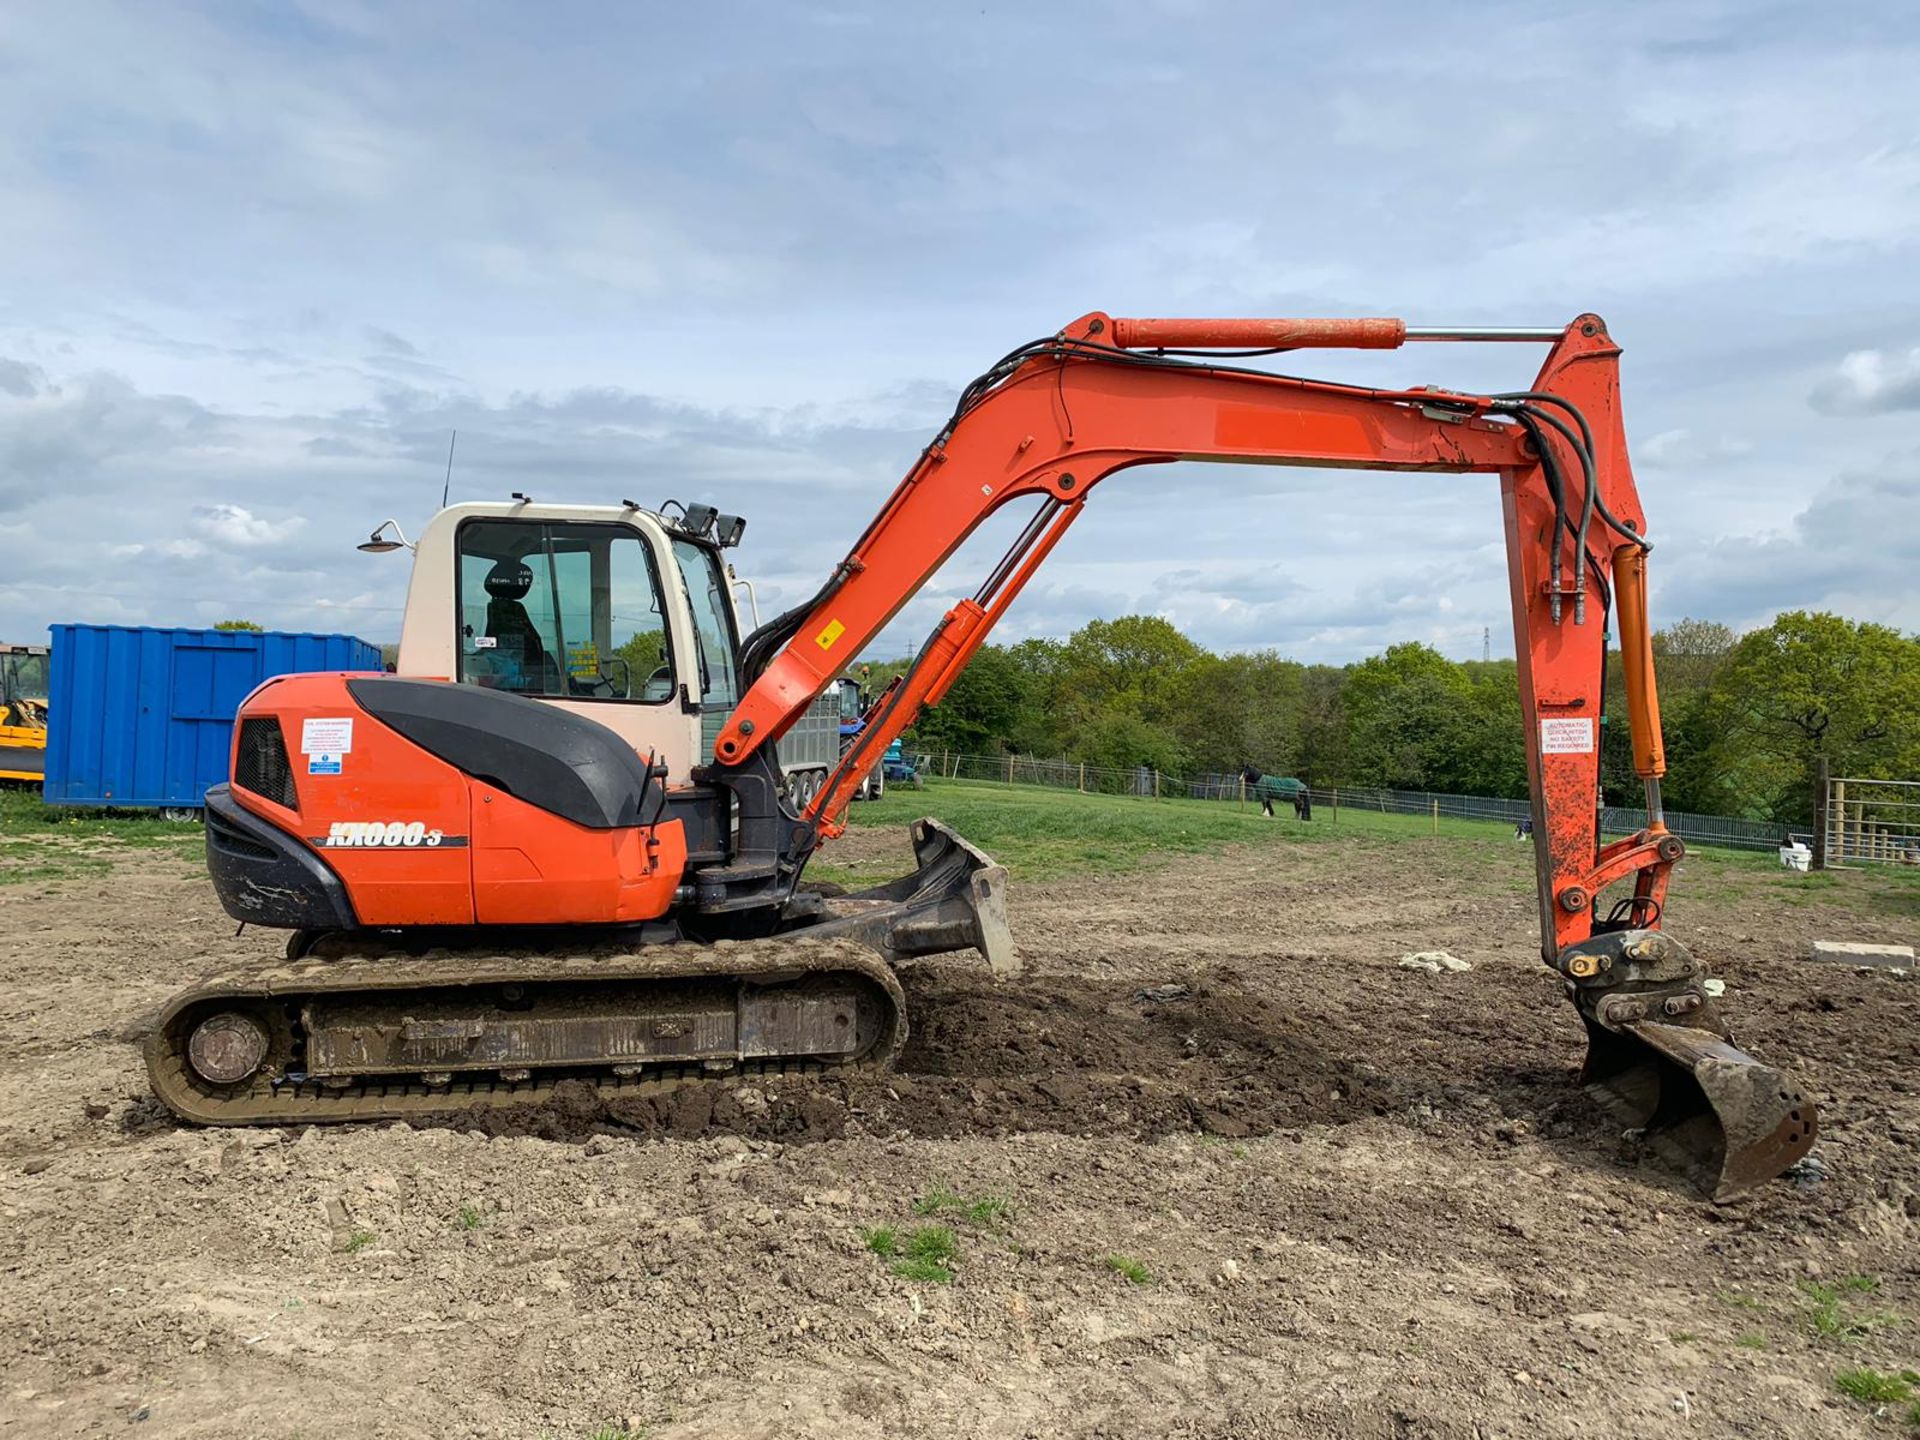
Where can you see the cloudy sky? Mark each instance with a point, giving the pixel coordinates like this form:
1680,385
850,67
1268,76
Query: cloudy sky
260,260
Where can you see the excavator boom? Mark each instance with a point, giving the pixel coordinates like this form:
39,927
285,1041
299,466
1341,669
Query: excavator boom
1055,418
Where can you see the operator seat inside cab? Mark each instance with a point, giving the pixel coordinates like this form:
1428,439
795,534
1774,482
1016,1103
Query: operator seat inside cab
512,630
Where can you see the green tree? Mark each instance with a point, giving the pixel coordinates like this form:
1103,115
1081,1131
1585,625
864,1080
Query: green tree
1744,717
1119,740
1688,654
1492,759
982,710
1118,686
1037,730
1812,684
248,625
1319,739
1409,719
644,652
1232,709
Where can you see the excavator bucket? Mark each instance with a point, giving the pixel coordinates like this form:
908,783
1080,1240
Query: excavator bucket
1726,1119
955,899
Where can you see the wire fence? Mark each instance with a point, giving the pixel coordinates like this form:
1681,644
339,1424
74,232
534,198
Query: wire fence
1145,781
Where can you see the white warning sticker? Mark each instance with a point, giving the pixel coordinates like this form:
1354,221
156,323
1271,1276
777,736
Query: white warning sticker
1557,737
327,737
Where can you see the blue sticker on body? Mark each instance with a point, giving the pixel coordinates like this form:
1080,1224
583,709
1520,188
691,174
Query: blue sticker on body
323,765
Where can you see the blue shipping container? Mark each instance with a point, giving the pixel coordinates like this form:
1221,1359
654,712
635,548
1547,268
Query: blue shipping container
144,716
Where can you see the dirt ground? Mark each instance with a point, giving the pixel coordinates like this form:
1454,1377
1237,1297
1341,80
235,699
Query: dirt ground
1366,1200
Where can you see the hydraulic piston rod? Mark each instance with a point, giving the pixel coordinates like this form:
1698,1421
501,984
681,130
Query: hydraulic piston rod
1636,664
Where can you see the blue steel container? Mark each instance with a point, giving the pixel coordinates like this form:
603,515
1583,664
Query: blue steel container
144,716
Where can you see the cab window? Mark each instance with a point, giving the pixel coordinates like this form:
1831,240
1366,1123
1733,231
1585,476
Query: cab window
562,610
851,704
707,598
23,676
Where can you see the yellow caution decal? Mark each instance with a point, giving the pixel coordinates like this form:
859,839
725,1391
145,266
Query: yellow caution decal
833,631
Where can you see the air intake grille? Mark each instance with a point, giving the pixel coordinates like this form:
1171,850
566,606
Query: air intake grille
261,765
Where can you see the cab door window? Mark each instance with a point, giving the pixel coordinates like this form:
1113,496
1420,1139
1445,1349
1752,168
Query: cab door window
562,610
703,580
705,584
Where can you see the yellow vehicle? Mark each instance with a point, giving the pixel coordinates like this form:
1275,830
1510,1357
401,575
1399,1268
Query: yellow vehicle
25,673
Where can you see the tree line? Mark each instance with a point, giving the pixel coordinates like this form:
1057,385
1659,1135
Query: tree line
1746,716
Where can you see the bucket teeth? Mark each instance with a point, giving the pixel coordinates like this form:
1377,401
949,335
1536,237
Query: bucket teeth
1728,1120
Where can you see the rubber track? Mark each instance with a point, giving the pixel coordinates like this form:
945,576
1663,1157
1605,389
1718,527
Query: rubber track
372,972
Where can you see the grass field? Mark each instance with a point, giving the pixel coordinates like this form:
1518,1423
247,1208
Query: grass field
1040,833
1036,832
48,842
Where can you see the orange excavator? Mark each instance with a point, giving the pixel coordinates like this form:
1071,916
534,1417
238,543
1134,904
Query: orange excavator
558,844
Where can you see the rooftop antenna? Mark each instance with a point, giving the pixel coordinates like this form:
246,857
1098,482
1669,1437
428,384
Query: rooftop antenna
447,487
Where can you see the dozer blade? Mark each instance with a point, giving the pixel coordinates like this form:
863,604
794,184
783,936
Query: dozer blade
1725,1118
955,899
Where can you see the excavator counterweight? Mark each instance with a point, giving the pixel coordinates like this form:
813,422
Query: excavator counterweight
561,844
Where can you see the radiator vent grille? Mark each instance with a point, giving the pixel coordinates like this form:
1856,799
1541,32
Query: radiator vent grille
261,765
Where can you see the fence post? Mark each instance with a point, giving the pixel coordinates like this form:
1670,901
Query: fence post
1156,782
1335,792
1436,815
1009,769
1082,787
1820,780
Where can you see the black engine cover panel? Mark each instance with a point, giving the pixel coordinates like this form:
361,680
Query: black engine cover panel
566,764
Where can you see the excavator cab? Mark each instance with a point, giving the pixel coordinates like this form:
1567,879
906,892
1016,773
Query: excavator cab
25,684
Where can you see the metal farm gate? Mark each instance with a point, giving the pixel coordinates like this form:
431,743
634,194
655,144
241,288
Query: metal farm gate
1871,821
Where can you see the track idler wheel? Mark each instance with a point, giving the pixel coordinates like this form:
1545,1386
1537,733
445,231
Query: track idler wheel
1660,1060
227,1047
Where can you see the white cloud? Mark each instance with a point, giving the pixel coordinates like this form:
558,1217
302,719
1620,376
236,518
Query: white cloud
257,271
1854,547
175,549
1872,382
1683,449
19,379
236,525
